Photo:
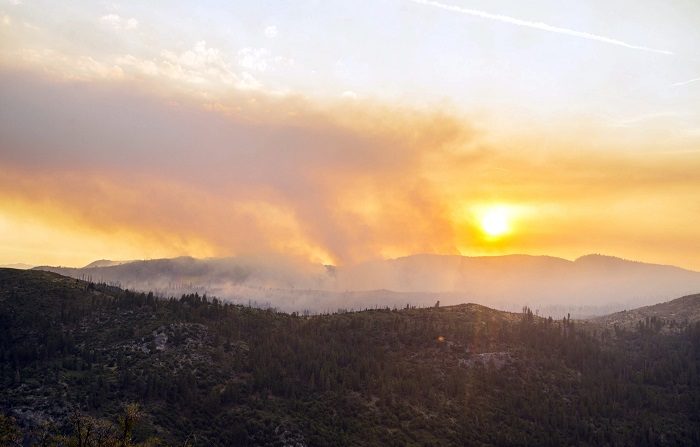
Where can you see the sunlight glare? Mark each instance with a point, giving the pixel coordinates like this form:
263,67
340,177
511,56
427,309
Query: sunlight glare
495,221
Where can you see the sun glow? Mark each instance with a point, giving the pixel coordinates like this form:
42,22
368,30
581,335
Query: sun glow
495,221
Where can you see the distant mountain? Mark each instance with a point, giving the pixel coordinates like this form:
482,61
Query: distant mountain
184,273
590,285
227,375
540,281
19,266
105,263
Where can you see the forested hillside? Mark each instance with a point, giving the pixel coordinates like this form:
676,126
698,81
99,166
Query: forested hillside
208,373
666,314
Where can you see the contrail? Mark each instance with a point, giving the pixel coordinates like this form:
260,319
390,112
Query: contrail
679,152
537,25
689,81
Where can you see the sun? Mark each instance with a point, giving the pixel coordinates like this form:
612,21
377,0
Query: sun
495,221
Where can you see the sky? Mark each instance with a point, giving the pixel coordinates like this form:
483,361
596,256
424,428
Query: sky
341,132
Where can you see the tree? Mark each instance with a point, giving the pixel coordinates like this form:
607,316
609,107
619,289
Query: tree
127,421
10,434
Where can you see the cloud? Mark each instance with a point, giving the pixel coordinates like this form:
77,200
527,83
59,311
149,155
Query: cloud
260,59
645,119
537,25
271,31
119,23
201,65
79,67
31,26
201,69
338,182
257,59
304,182
683,83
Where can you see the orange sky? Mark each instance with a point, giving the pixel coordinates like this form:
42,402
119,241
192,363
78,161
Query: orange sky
332,182
131,158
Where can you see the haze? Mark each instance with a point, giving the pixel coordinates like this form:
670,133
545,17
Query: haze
340,133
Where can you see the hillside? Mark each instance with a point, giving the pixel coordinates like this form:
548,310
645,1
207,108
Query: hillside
232,375
590,285
105,263
19,266
682,309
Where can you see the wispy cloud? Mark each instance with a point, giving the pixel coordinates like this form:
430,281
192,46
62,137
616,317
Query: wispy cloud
199,66
538,25
271,31
678,152
682,83
256,59
119,23
333,182
644,119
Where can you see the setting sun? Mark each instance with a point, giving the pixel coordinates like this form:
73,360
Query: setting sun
495,221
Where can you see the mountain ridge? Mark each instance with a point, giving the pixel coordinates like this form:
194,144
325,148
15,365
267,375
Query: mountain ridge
686,308
599,283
